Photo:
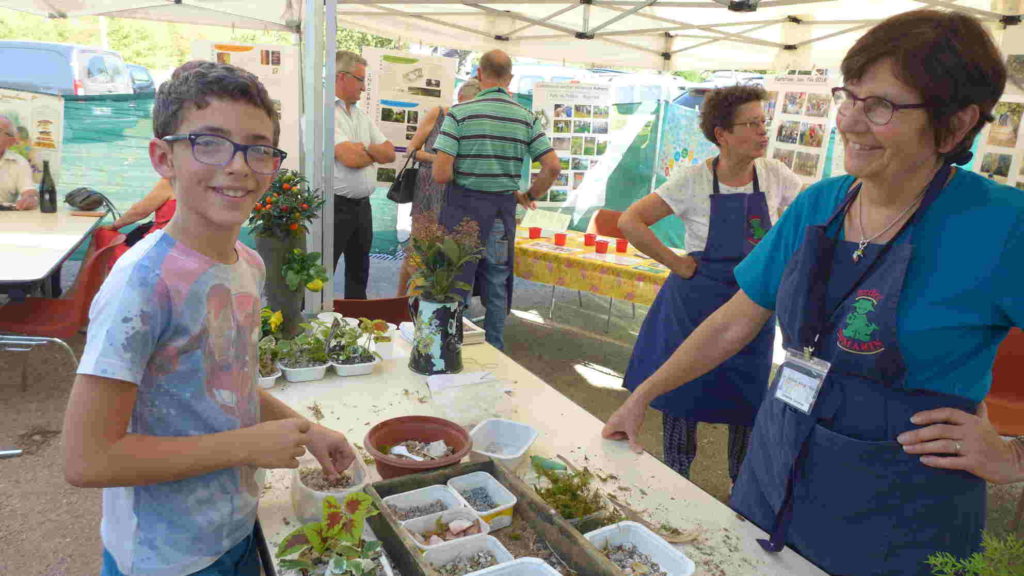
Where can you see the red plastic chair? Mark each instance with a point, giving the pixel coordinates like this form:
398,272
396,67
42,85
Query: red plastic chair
40,320
394,310
1005,400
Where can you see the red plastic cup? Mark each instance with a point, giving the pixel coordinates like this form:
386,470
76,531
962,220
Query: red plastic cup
559,238
621,244
534,232
589,239
602,246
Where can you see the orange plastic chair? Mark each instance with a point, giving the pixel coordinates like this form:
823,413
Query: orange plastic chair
40,320
1005,400
394,310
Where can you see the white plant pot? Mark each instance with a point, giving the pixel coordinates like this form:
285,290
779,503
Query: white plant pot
303,374
308,504
355,369
269,381
514,438
449,551
671,560
497,517
520,567
425,495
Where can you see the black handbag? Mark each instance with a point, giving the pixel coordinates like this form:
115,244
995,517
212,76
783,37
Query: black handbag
402,189
88,199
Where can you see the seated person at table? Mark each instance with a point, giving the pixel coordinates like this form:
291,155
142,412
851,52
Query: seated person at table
159,202
16,186
165,413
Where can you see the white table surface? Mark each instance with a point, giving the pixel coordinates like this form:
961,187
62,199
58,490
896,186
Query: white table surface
32,244
727,546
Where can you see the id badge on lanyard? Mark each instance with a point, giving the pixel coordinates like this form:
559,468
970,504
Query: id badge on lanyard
800,378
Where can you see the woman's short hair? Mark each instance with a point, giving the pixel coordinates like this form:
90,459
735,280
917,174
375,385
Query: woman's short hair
469,89
720,105
949,58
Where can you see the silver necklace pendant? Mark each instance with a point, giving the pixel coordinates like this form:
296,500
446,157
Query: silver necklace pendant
859,252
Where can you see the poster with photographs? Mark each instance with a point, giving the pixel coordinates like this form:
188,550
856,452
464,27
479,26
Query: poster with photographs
278,68
802,117
1000,152
580,117
399,88
38,124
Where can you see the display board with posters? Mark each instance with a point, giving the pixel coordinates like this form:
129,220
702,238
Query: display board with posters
399,88
682,141
801,117
38,121
1001,143
577,120
278,69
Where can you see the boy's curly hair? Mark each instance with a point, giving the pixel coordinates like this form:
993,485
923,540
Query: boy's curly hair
197,82
720,105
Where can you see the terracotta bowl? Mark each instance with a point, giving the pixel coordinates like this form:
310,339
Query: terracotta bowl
421,428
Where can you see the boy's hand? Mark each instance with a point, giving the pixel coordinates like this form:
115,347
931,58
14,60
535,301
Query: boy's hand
279,443
331,449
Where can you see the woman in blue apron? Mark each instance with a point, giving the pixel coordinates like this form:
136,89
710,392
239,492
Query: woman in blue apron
726,212
894,288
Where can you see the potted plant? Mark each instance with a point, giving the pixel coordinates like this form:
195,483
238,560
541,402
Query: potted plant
999,556
268,355
279,226
335,545
304,357
349,350
437,256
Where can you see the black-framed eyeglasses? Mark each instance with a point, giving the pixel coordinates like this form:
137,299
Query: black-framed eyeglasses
216,150
877,110
361,79
762,124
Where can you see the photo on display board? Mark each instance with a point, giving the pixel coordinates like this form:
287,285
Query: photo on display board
562,179
577,145
602,146
542,118
432,83
410,128
600,126
581,111
392,115
784,155
562,144
789,132
564,162
1006,124
793,102
562,126
806,164
818,105
1015,70
428,92
412,117
386,174
581,126
599,111
558,195
769,107
811,134
590,146
577,179
275,58
410,135
223,58
996,166
580,163
563,110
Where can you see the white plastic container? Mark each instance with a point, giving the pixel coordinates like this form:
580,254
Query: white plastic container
672,561
498,517
428,523
520,567
387,349
355,369
308,504
449,551
513,437
425,495
304,374
269,381
329,317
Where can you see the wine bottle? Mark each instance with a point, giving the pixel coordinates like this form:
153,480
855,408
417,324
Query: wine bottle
47,191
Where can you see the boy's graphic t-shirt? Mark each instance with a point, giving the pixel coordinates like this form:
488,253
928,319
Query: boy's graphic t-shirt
184,329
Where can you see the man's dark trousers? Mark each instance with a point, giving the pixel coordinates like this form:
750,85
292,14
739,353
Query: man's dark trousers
353,236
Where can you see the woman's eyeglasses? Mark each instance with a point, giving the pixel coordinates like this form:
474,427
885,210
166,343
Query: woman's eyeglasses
877,110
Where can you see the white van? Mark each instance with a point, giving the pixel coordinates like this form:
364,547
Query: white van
63,69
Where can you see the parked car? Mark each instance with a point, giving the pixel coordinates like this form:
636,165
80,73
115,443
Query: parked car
62,69
142,80
693,97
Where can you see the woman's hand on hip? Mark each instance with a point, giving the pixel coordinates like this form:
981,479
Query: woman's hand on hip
625,423
955,440
684,265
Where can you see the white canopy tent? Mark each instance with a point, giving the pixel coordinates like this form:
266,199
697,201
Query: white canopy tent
659,35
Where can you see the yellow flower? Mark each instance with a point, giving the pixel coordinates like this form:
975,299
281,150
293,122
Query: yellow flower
276,320
315,285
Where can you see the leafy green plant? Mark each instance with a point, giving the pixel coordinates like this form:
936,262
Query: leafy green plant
307,349
571,494
437,256
268,355
286,207
303,268
999,556
335,543
351,344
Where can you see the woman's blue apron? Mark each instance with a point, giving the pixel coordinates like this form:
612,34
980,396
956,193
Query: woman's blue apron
836,485
732,392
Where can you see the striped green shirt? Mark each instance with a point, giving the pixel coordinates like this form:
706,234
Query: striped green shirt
490,136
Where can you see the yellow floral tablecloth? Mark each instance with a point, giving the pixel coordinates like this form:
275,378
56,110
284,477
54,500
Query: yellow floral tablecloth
624,276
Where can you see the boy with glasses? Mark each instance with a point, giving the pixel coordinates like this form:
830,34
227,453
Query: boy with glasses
165,413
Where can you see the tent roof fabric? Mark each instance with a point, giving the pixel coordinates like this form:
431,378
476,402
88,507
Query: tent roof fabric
649,34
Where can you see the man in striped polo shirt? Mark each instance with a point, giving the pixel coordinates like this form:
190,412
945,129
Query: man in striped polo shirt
480,150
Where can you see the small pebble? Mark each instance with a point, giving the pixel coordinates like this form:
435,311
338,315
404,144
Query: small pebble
468,563
632,561
410,512
479,499
314,479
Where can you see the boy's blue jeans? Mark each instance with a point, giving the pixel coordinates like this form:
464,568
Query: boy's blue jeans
242,560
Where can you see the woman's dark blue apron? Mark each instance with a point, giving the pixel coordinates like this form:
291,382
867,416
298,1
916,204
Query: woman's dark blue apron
732,392
835,485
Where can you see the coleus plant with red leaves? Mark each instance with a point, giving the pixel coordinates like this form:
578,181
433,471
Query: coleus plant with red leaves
334,545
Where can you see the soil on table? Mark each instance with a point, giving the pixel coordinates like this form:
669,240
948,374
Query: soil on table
314,479
522,541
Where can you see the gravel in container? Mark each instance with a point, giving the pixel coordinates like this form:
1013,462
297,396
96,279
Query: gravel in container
467,563
632,561
314,479
410,512
479,499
